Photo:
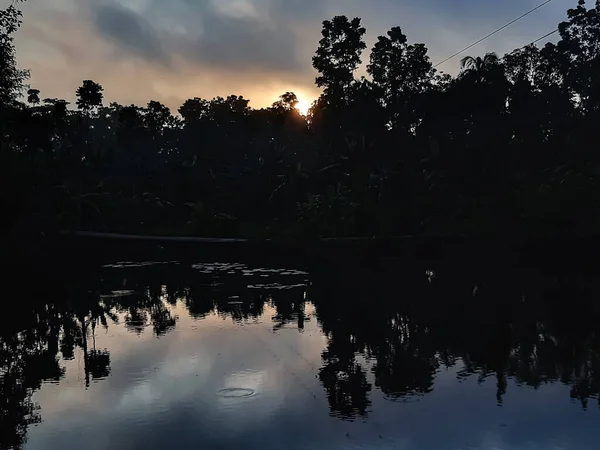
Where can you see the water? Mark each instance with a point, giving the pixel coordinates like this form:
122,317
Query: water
159,355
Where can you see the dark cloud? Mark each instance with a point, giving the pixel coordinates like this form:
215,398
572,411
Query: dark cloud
238,43
222,38
299,10
129,30
274,41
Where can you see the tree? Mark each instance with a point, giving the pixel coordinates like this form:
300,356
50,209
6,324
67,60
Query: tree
483,82
33,96
478,65
407,150
284,119
397,66
227,107
338,55
286,102
11,77
402,73
157,117
522,64
538,67
538,98
579,50
194,109
12,81
89,96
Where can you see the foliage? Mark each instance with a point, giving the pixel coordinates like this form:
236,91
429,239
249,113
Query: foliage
338,55
12,79
402,73
406,150
89,95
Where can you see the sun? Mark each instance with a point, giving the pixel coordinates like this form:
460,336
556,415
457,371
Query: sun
303,106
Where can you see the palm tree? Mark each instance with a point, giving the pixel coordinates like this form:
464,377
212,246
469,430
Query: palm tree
479,66
33,96
478,63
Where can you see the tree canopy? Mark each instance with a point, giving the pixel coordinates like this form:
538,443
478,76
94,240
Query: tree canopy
507,146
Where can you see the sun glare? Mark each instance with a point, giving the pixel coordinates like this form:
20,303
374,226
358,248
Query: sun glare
303,106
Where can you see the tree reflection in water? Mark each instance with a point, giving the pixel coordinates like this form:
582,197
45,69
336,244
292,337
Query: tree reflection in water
541,330
388,332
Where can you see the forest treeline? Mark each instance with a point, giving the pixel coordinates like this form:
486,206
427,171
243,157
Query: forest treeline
509,145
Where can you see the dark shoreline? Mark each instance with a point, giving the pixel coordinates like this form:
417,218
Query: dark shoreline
68,251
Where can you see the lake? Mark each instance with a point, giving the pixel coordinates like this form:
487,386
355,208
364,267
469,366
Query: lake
232,355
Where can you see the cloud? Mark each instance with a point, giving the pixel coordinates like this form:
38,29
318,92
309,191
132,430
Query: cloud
255,35
233,43
237,9
224,35
129,30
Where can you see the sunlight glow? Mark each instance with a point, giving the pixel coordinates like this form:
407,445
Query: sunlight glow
303,106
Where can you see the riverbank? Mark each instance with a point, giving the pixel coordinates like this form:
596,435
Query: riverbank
74,251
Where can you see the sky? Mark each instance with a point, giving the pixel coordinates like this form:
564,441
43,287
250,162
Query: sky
172,50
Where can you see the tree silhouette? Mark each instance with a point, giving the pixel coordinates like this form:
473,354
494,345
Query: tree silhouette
338,55
11,77
194,109
579,46
478,64
502,148
402,73
286,102
33,96
89,96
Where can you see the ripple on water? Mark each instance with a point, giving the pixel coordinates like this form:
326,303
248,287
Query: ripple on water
121,293
236,393
277,286
134,264
401,398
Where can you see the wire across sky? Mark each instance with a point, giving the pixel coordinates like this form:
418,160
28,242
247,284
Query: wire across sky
497,31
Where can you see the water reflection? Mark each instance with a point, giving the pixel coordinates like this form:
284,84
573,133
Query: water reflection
410,328
382,336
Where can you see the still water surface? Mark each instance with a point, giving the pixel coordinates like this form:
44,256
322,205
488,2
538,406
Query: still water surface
227,356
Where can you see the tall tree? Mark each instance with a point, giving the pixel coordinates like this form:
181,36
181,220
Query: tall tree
33,96
483,80
479,66
89,95
402,73
580,53
12,79
338,55
12,183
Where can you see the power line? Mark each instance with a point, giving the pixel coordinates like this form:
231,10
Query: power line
494,32
543,37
